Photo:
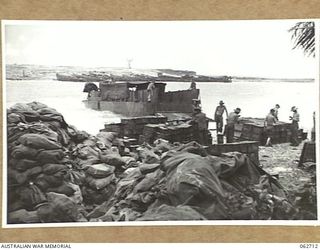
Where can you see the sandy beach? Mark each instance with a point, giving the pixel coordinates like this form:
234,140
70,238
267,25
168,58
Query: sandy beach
282,161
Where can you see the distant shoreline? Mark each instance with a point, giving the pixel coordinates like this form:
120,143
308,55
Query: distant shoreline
81,74
258,79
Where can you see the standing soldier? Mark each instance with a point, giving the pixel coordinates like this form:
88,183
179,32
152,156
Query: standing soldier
218,116
295,118
199,119
269,122
193,85
313,131
276,111
231,121
150,90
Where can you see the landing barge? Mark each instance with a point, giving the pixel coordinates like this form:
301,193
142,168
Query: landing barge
139,98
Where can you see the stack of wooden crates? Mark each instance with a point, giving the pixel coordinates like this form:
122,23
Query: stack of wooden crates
253,129
173,133
133,127
149,128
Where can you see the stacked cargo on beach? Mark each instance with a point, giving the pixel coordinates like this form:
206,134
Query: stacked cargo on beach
113,127
150,132
172,133
133,127
253,129
150,128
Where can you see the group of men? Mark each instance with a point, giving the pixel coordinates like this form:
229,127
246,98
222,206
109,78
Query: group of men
232,119
200,120
271,120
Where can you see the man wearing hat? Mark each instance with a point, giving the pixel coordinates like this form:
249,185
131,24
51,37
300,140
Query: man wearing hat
231,121
218,116
199,119
295,118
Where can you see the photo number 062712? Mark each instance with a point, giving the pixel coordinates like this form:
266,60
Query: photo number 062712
309,245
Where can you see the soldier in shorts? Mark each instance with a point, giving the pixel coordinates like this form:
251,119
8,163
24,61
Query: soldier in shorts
269,122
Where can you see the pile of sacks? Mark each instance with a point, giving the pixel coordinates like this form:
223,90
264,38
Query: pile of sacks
59,174
55,172
184,183
39,189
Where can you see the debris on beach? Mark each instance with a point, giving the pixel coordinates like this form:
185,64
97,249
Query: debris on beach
57,173
282,161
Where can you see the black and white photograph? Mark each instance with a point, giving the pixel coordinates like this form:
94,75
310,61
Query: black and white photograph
110,123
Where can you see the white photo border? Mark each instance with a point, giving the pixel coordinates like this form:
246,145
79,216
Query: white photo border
154,223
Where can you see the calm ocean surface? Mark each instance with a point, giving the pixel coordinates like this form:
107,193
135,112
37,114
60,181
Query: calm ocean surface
254,98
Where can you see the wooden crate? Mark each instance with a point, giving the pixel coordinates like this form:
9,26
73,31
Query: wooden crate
253,129
113,127
249,148
308,153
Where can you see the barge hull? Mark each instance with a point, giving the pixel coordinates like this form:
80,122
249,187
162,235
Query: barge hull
124,108
137,108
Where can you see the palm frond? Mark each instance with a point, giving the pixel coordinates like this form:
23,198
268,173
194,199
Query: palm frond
303,36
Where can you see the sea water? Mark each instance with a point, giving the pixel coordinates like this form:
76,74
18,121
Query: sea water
254,98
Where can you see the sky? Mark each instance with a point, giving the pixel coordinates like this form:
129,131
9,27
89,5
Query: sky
235,48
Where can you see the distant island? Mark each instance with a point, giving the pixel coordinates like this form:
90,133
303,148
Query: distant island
99,74
130,75
82,74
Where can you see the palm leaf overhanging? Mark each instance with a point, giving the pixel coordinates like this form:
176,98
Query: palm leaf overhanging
303,36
